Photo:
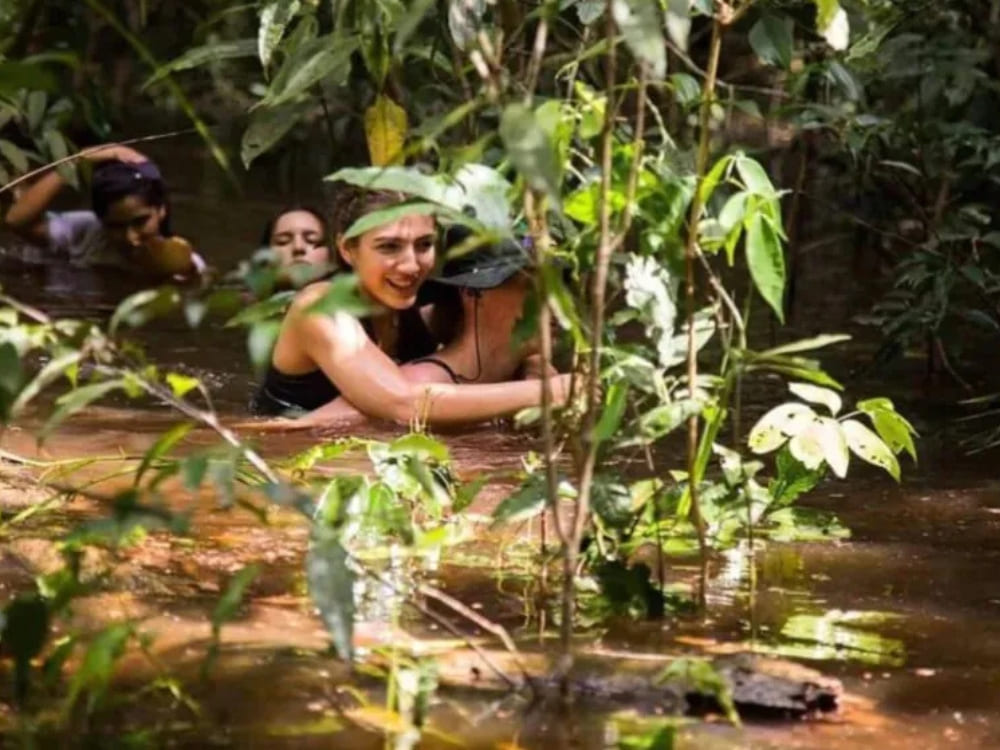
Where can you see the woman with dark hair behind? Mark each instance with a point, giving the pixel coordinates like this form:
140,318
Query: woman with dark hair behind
318,356
128,228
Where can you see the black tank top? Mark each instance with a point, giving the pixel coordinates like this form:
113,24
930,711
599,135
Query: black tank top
283,394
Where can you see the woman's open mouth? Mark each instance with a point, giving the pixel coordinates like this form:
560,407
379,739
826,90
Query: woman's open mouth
407,289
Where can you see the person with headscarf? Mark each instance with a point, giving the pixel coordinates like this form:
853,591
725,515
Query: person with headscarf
128,227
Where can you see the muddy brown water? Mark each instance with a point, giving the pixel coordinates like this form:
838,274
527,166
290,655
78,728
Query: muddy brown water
906,612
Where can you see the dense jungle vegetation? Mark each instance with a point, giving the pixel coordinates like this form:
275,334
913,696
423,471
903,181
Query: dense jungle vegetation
678,164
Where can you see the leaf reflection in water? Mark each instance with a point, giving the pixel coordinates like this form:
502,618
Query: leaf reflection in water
839,635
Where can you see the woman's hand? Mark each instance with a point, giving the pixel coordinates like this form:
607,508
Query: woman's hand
113,152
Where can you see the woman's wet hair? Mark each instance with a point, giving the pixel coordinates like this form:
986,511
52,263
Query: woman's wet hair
265,237
352,202
113,180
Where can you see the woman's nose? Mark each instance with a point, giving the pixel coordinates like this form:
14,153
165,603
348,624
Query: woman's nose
408,261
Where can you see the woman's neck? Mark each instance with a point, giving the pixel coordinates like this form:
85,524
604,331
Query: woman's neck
385,328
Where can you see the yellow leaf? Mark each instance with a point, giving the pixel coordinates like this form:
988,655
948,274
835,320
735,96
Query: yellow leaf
385,129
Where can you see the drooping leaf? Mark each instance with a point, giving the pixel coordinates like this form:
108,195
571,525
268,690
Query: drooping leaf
640,25
891,426
331,586
143,306
274,19
328,60
869,447
614,410
268,125
420,446
754,176
530,148
806,446
398,179
161,447
778,424
383,216
833,24
72,402
766,261
94,674
771,40
816,395
206,53
17,158
228,604
385,131
272,307
833,444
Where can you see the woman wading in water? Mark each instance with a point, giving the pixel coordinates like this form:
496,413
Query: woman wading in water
128,228
318,357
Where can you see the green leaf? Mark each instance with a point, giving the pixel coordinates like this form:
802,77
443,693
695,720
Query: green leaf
232,597
614,410
383,216
161,447
273,307
331,586
464,20
816,395
143,306
193,469
181,385
328,61
754,176
73,401
420,446
766,262
17,158
805,345
526,502
407,24
781,422
892,427
771,40
793,479
869,447
15,76
274,19
687,90
260,343
206,53
530,148
268,125
406,180
589,11
640,25
665,418
711,180
341,296
97,666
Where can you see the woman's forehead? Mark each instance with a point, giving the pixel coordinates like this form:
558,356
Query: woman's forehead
293,219
407,227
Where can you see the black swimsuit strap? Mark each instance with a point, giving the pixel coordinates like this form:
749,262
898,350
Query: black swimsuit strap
443,365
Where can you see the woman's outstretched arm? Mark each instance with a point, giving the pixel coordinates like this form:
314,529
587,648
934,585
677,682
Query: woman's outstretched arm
378,387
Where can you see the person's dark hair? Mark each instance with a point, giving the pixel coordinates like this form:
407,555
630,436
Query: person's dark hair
265,237
113,180
351,202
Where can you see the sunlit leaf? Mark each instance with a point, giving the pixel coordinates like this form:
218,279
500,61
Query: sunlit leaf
526,502
181,385
869,447
421,446
342,295
833,444
754,176
272,307
589,11
640,25
464,19
816,395
678,22
891,426
274,19
614,410
778,424
803,345
832,23
143,306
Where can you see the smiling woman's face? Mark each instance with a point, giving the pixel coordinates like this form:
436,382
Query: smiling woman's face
298,237
393,260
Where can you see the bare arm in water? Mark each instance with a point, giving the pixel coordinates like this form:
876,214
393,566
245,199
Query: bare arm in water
370,381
